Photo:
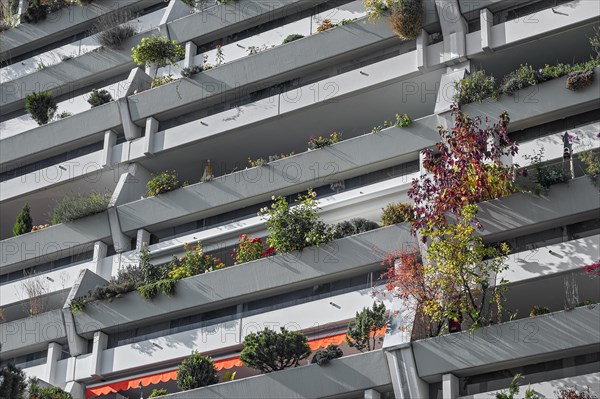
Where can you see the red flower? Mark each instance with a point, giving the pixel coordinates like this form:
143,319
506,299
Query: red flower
269,252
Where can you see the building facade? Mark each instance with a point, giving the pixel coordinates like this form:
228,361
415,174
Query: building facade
257,95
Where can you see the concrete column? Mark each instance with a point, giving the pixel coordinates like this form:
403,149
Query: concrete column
137,81
190,52
143,238
151,129
487,20
132,131
110,139
22,8
422,41
54,353
100,345
445,96
449,386
76,390
100,252
372,394
403,370
454,28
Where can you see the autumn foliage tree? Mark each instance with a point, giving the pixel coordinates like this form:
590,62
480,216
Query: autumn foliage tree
458,276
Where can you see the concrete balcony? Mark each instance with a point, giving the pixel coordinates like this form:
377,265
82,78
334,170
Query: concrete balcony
95,67
32,333
60,25
531,340
521,214
53,242
346,159
236,284
343,376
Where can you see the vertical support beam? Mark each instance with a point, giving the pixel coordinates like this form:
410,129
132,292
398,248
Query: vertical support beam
454,29
445,96
403,370
449,386
132,131
100,252
76,390
22,7
151,129
190,52
422,41
372,394
54,353
487,20
143,239
100,345
110,139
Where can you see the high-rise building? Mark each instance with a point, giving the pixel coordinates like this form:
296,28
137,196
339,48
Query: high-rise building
141,180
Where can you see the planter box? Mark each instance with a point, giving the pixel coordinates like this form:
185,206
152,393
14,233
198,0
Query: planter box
521,214
539,104
237,284
506,345
262,70
346,159
57,137
32,333
341,376
60,25
53,242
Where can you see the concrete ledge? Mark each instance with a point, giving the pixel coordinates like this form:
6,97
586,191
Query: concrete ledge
261,70
343,160
531,340
53,242
236,284
521,214
32,333
541,103
60,25
341,376
60,136
65,78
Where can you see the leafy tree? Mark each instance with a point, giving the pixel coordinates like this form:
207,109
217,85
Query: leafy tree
465,170
513,390
24,223
295,227
157,51
12,382
41,106
268,350
37,392
361,334
196,371
323,356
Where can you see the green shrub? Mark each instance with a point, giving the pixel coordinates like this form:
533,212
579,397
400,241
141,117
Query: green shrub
406,18
549,72
196,371
161,80
395,213
362,333
291,38
523,77
113,29
320,142
99,97
24,222
476,87
538,310
295,227
514,388
546,175
41,106
323,356
353,226
193,263
158,392
149,291
76,207
36,11
157,51
591,159
248,249
578,80
12,382
163,183
37,392
269,351
189,71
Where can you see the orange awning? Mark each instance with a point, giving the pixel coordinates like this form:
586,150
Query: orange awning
228,363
